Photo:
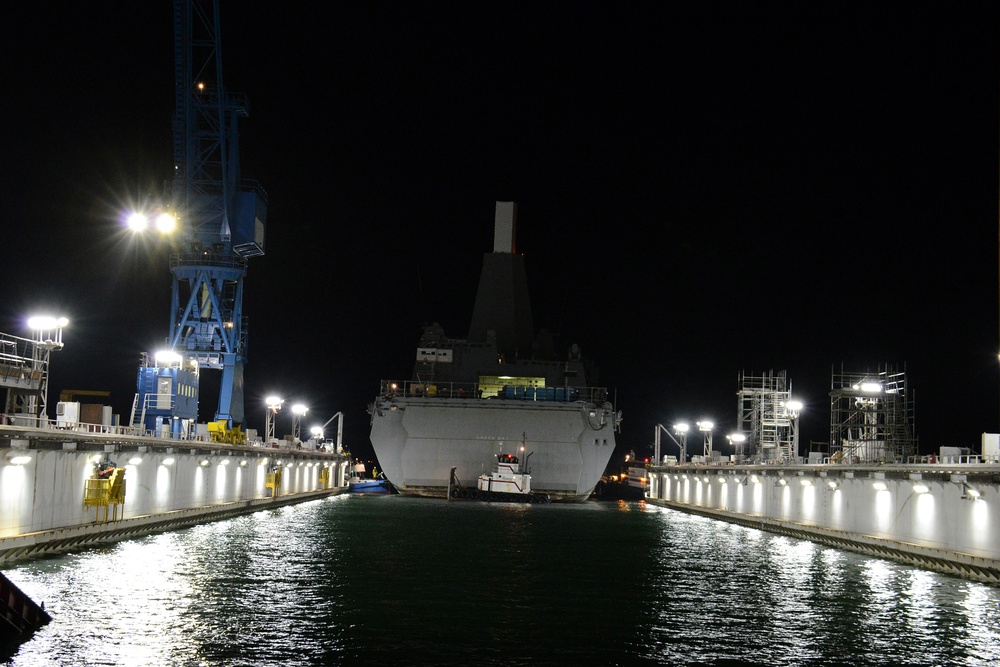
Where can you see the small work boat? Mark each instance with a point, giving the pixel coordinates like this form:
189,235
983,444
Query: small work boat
360,482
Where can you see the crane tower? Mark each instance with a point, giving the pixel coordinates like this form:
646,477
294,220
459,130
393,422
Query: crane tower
221,220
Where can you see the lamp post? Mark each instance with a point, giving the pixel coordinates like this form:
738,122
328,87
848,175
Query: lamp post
298,412
48,337
681,429
794,408
737,440
706,427
273,405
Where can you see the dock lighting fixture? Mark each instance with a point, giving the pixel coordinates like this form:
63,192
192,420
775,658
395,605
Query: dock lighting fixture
224,462
18,460
737,440
135,460
298,411
806,482
166,222
794,406
920,488
137,222
203,462
168,358
273,404
706,427
48,337
162,221
243,463
833,484
782,482
869,387
167,461
970,493
317,432
879,486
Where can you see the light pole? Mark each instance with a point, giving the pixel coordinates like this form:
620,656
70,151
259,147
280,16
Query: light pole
706,427
273,405
682,445
298,412
794,408
48,337
737,440
681,429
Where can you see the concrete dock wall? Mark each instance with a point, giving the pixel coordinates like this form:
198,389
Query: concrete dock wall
167,485
946,519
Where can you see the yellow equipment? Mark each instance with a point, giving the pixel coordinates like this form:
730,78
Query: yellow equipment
106,492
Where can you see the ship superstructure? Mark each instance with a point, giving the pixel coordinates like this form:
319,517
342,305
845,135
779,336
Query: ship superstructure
473,397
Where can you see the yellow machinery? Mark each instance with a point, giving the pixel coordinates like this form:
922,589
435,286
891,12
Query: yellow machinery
273,481
324,475
108,491
219,431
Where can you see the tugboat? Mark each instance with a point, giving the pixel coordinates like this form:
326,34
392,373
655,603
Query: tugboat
508,484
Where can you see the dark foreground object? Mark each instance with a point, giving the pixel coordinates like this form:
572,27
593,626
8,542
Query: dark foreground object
21,617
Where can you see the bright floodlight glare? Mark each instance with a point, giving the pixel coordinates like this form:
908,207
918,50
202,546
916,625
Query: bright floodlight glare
137,222
871,387
705,426
45,322
737,437
273,402
166,223
316,430
681,427
794,405
167,357
299,409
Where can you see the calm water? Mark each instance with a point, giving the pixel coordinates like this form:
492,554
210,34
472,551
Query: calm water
393,580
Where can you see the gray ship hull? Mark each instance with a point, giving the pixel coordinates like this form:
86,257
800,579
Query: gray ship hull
418,440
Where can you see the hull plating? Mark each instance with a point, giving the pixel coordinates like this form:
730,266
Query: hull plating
566,446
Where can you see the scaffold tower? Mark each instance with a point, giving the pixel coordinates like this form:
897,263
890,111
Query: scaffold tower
871,416
768,417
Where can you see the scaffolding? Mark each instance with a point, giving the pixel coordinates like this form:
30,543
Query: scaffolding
768,417
871,416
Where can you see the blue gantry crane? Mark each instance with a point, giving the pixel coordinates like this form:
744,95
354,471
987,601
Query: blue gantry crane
221,221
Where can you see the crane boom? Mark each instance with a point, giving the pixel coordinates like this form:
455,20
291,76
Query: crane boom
221,220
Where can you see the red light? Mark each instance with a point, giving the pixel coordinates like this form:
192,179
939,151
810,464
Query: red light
646,459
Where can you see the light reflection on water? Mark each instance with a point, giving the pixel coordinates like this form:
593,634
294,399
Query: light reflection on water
360,580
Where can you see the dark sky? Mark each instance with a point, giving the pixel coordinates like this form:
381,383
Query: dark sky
703,188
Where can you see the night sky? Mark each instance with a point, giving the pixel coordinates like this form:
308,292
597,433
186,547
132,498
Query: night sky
703,189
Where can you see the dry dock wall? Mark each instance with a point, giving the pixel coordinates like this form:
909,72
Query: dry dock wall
42,499
941,519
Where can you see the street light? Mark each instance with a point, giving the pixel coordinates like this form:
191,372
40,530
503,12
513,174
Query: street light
48,337
298,412
706,427
681,429
737,440
273,405
794,408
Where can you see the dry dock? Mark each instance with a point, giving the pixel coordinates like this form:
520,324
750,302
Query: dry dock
943,517
52,499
